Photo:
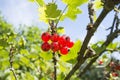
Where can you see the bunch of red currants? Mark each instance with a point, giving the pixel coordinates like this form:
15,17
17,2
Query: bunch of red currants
56,43
115,67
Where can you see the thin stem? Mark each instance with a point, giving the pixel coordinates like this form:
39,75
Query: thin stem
53,30
61,15
37,3
91,11
11,62
55,66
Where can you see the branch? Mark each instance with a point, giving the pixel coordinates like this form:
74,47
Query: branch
109,5
85,43
11,62
102,50
91,11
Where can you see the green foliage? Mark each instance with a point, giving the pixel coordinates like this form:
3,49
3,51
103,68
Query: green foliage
49,12
98,4
73,8
52,11
73,52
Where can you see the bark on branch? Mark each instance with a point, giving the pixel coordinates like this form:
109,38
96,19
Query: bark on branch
108,6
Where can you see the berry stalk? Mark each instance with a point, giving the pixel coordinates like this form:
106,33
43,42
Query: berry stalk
55,66
53,29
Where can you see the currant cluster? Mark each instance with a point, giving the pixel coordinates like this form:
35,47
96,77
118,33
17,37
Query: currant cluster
56,43
100,62
115,67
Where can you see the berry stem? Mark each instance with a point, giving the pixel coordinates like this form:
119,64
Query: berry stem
11,62
53,30
55,66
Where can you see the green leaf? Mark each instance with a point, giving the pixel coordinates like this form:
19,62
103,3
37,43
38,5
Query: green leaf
74,3
51,11
73,8
1,47
29,76
22,41
61,76
24,60
24,51
40,2
73,52
31,0
113,45
98,4
60,30
46,55
72,13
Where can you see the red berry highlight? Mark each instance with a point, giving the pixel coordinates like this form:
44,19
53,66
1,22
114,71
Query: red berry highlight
64,50
45,46
100,62
67,38
114,74
112,64
54,37
70,44
45,36
55,46
117,67
62,41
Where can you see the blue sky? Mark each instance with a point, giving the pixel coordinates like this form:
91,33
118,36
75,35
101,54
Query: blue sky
22,12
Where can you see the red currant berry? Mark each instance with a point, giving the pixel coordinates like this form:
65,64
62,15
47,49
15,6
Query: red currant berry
100,62
62,41
114,74
45,36
112,64
54,37
64,50
45,46
117,67
70,44
67,38
55,46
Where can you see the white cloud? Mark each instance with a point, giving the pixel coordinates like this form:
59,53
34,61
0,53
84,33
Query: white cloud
19,12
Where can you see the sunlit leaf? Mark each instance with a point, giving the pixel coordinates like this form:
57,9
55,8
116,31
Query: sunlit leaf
24,60
98,4
40,2
74,3
73,52
72,13
60,30
46,55
52,11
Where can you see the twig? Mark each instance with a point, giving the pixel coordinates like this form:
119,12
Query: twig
102,48
11,62
115,21
91,11
55,66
